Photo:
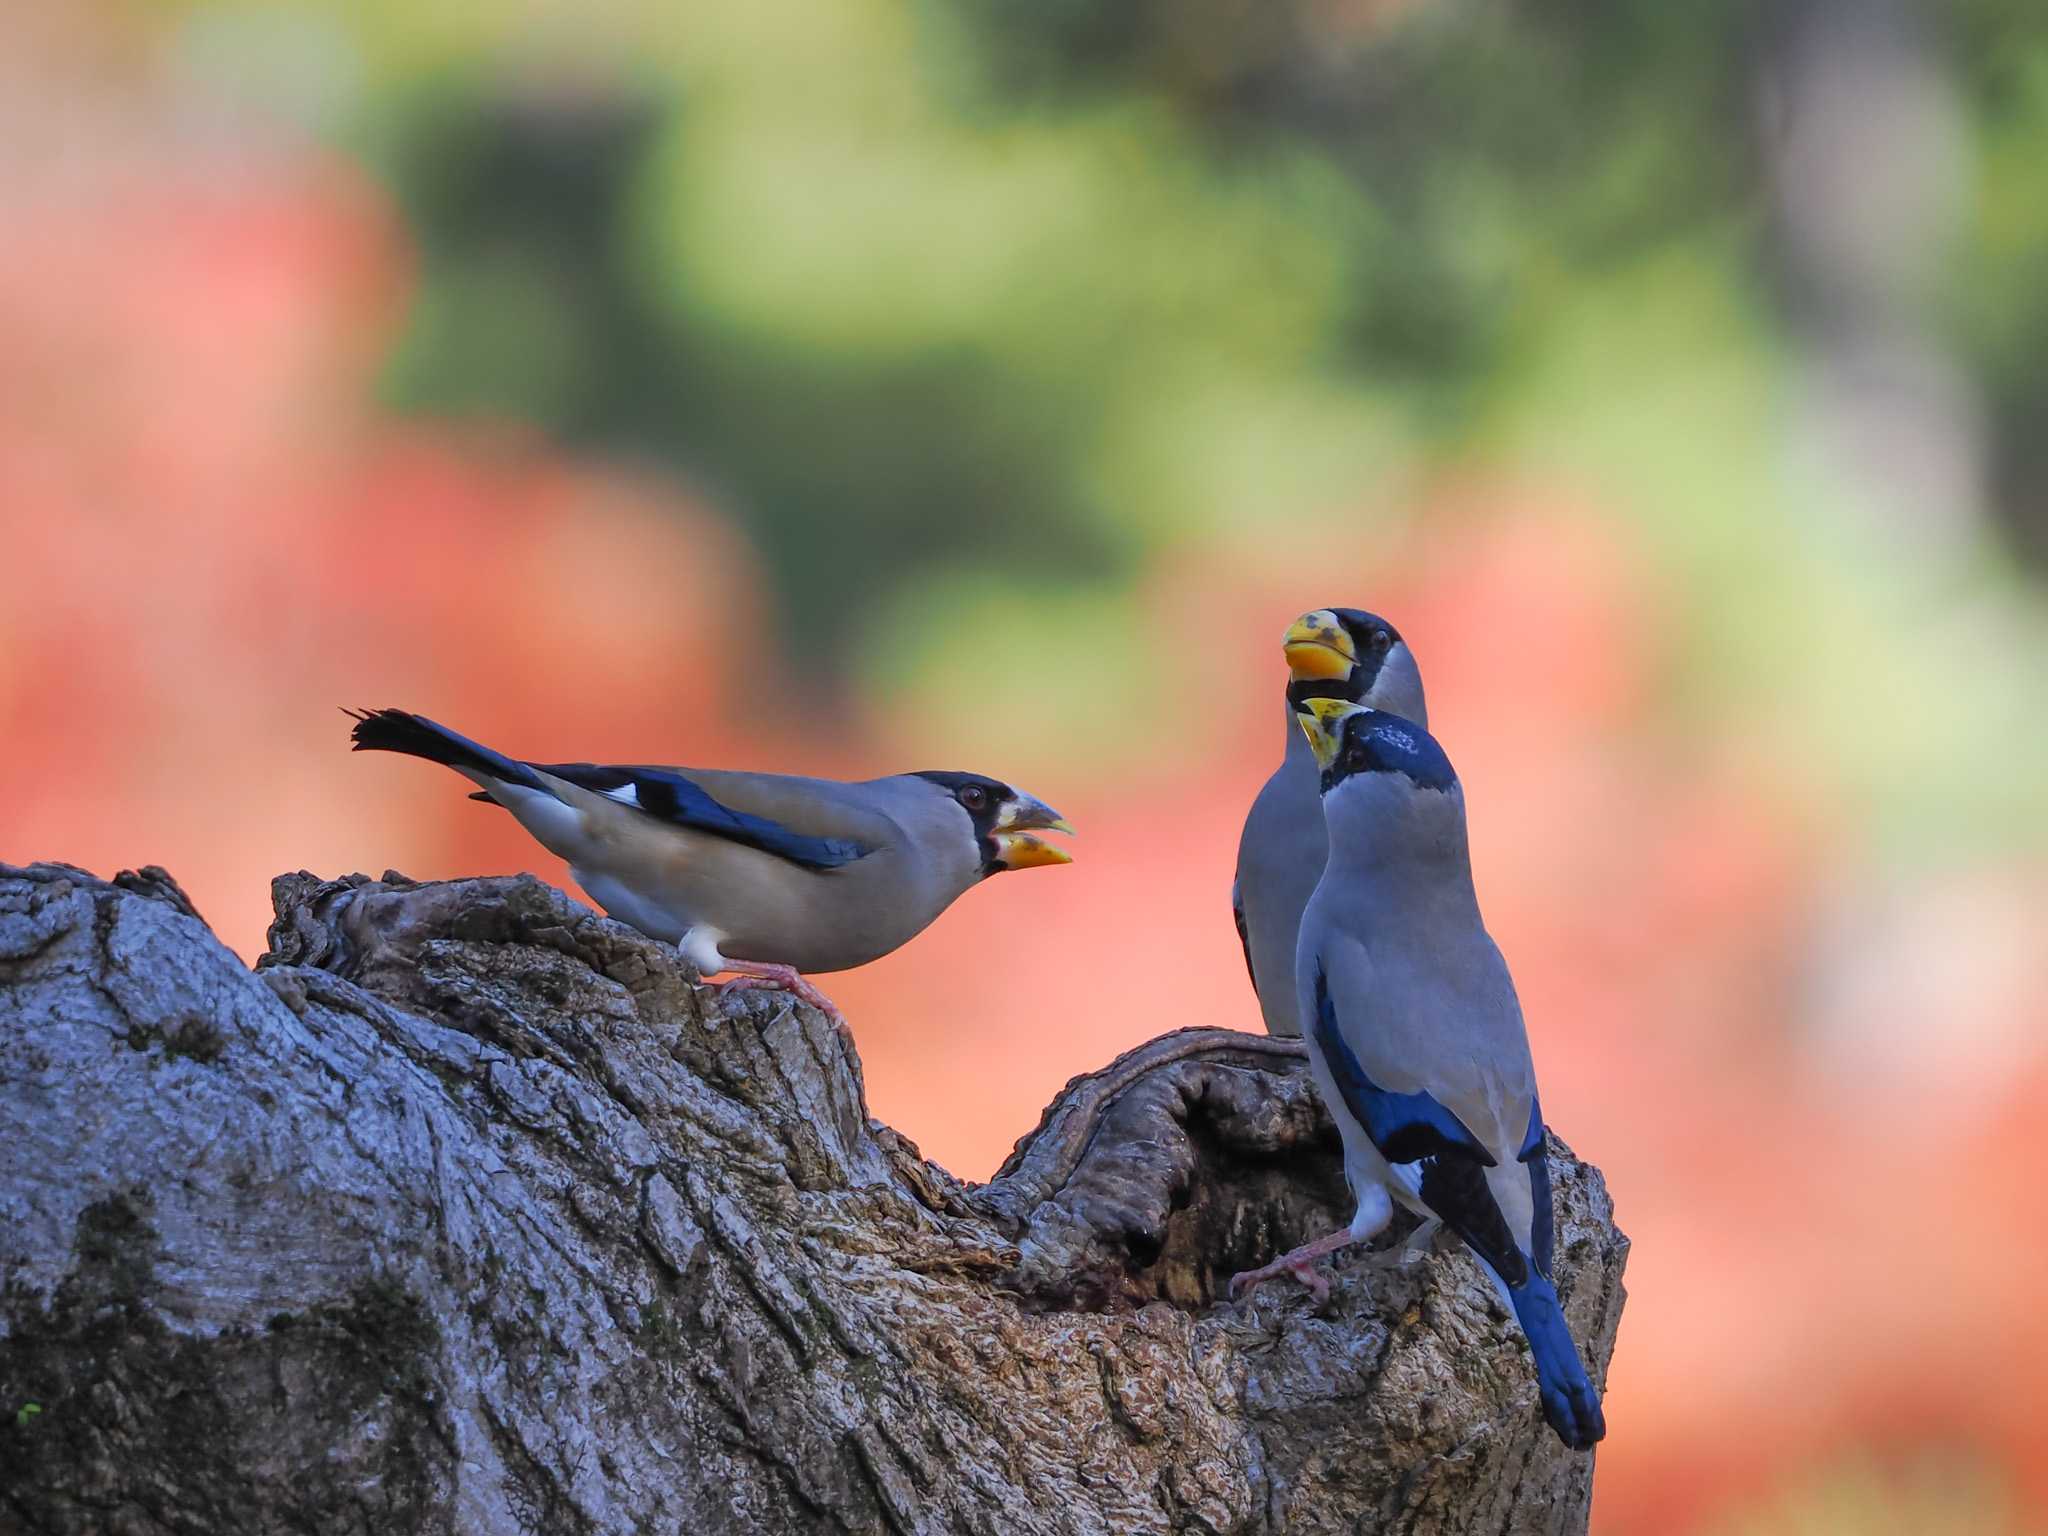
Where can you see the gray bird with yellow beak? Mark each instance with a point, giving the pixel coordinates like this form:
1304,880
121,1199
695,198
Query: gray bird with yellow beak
1416,1042
766,875
1332,653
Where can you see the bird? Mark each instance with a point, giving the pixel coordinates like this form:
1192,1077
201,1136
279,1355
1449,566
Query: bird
1332,653
769,876
1416,1041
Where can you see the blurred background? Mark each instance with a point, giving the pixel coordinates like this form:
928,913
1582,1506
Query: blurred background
882,384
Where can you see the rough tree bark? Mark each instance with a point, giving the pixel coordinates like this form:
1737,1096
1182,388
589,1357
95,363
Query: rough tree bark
467,1211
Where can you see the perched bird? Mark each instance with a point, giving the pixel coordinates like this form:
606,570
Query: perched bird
1416,1039
1333,653
763,874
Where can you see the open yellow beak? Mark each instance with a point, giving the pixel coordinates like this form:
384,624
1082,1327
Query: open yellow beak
1026,850
1322,721
1319,649
1017,829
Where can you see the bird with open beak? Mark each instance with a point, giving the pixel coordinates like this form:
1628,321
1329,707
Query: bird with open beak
766,875
1332,653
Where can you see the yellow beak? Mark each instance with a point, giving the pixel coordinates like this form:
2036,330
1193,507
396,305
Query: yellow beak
1319,649
1322,721
1026,850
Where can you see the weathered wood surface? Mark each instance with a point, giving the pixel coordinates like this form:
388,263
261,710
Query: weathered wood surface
467,1211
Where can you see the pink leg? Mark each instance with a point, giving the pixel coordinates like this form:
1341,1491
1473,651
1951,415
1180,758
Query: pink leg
753,974
1300,1264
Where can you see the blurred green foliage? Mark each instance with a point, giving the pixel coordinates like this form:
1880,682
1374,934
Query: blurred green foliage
929,292
1999,300
982,304
859,468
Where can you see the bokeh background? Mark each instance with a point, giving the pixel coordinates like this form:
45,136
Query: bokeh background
876,384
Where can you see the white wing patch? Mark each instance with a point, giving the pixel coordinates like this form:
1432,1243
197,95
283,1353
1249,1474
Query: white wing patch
625,794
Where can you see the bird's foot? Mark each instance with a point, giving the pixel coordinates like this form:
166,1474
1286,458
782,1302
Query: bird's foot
1301,1264
755,975
1304,1270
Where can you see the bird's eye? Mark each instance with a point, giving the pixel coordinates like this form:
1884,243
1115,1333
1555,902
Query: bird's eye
1354,758
974,797
1381,640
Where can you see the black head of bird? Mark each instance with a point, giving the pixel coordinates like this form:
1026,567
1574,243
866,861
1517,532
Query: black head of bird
1354,656
1004,822
1354,742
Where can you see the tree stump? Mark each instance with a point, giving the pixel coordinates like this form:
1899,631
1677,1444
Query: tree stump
468,1211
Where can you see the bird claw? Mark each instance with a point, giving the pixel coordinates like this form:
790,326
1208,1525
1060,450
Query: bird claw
793,984
1302,1270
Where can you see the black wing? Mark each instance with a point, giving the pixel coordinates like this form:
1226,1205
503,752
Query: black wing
1415,1128
674,799
663,795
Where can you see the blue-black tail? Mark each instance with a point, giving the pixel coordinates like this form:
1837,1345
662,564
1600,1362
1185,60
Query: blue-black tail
395,730
1569,1401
